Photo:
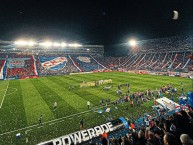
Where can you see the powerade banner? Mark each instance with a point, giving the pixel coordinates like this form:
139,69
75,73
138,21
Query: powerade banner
16,62
53,63
88,134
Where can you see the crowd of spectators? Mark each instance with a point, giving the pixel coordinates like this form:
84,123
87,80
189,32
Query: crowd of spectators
86,62
175,43
1,63
163,129
111,62
156,54
169,130
68,68
2,59
166,61
163,54
159,61
28,69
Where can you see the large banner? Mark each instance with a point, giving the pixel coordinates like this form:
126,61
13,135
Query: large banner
95,83
53,63
88,134
16,62
2,69
84,59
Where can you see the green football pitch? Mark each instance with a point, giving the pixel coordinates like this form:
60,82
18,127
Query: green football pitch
23,101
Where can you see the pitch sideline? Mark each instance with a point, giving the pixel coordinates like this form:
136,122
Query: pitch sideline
45,122
4,96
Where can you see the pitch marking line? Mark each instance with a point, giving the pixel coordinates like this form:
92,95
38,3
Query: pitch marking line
27,131
35,125
26,140
40,126
4,96
61,120
15,90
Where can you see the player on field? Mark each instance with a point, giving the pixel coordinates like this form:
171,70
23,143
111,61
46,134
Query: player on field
40,120
55,105
88,104
81,124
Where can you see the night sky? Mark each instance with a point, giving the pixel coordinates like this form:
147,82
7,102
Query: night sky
109,23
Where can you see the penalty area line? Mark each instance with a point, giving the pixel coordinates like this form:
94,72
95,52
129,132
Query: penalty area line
4,96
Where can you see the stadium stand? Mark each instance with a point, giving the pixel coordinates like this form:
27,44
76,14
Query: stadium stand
2,65
160,61
161,129
157,55
161,54
86,62
54,64
110,62
158,128
20,66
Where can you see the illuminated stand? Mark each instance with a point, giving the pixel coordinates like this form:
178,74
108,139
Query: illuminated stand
45,44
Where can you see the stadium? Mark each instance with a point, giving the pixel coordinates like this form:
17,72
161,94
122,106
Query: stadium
96,73
45,73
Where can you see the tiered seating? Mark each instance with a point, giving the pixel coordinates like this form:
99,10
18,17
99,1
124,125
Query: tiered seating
159,61
86,62
111,62
20,65
175,43
155,55
2,65
54,64
154,129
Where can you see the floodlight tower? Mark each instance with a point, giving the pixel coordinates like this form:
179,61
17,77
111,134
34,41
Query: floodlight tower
132,42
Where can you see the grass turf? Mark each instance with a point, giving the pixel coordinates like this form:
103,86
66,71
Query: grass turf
26,100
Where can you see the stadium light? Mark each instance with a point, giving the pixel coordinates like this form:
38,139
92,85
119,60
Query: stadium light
87,49
24,43
132,42
70,45
31,43
21,42
46,44
56,44
63,44
74,45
